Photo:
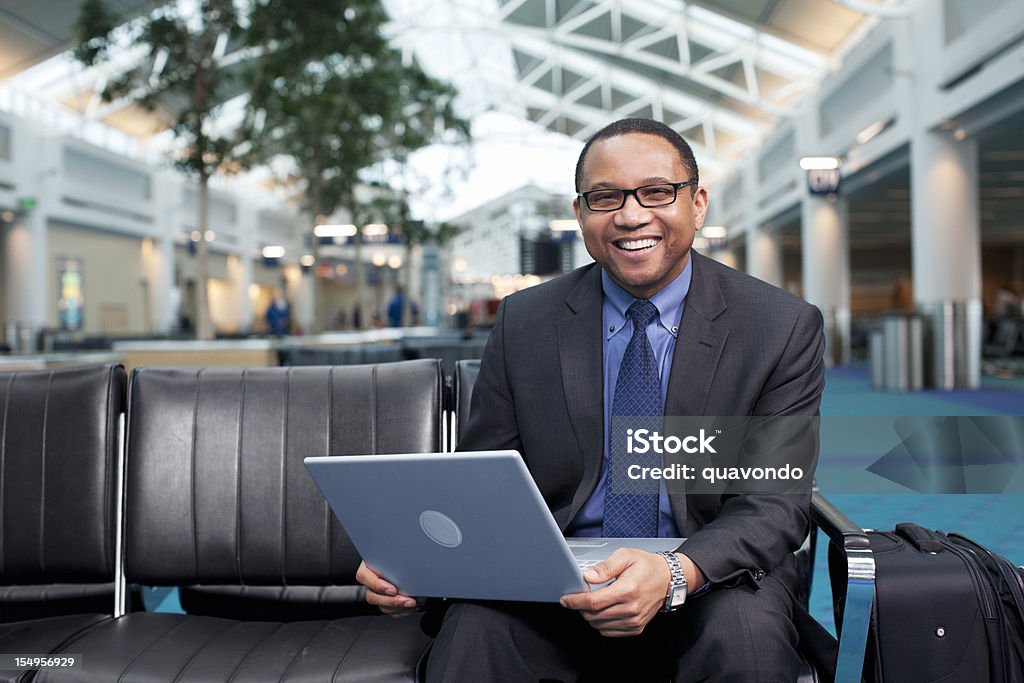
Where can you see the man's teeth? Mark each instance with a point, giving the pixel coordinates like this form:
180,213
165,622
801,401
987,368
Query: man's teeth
633,245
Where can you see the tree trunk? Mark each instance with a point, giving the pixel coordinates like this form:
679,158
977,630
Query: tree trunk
364,314
407,305
204,326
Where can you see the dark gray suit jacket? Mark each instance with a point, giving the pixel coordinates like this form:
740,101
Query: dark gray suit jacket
744,348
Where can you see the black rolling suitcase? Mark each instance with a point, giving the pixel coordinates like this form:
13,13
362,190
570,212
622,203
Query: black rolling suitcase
946,609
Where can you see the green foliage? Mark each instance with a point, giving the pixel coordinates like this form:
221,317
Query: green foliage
324,86
179,73
336,98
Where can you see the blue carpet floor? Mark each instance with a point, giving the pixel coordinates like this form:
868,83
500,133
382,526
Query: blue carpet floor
992,519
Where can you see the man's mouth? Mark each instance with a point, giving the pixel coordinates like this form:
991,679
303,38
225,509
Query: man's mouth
635,245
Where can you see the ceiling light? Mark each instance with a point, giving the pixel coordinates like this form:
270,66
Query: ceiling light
563,225
334,230
273,252
713,232
375,229
819,163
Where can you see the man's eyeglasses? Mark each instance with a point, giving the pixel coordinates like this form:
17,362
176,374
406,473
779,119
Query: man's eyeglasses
648,196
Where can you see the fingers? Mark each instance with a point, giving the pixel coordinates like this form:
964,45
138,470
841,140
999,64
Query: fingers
623,591
626,606
611,567
385,595
373,581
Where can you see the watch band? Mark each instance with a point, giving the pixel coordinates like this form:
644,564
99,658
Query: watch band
677,587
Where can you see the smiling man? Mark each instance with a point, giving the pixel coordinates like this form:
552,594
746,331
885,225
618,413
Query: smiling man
653,328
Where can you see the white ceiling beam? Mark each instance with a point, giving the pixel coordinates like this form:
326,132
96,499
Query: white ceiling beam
583,18
593,118
698,73
631,82
509,8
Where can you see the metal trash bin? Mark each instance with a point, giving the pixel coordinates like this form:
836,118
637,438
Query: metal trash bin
954,344
903,352
876,358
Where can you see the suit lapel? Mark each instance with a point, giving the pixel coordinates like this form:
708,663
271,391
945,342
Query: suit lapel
695,359
699,344
580,350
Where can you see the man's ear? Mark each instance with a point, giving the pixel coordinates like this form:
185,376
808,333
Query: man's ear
700,207
576,211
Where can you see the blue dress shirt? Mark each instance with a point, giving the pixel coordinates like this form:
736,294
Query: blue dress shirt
662,333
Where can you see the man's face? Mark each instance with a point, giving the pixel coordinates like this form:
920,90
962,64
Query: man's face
642,249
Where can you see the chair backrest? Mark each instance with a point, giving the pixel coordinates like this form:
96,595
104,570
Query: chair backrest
59,438
217,492
465,377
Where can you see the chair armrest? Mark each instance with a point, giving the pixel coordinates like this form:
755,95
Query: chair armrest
860,586
839,528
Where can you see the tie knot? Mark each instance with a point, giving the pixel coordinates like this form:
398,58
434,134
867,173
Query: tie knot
642,312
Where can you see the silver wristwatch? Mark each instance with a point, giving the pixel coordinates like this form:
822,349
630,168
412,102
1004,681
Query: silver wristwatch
677,583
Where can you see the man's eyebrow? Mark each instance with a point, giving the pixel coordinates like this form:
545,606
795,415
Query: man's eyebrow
652,180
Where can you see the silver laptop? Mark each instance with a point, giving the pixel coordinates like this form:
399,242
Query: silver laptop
460,525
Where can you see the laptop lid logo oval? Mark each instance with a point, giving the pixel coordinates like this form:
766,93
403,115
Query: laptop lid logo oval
440,528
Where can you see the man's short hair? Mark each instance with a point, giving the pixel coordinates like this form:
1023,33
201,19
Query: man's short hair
646,127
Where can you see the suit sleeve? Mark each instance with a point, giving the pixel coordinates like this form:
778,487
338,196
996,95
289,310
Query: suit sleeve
492,423
755,533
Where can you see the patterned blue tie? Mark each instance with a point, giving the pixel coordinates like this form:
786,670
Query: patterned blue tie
631,505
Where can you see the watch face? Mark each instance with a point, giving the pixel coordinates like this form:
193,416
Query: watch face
678,596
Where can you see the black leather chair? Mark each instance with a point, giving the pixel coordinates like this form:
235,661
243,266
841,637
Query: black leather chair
59,438
465,377
217,494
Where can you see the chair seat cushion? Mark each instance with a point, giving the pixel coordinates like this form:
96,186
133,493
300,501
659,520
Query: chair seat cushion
275,603
45,636
150,647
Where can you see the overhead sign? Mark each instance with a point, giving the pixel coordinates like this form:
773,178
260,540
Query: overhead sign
823,180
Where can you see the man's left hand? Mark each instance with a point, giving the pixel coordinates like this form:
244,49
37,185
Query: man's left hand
624,607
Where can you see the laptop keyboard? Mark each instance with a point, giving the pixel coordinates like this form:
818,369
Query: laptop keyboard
586,564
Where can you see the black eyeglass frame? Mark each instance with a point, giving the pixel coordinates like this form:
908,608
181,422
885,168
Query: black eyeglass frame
626,193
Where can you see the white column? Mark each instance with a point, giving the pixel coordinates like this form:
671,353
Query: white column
764,256
825,259
248,232
726,257
945,222
946,250
295,282
29,293
304,303
159,258
824,244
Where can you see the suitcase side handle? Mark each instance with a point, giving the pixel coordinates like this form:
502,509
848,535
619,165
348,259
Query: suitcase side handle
925,540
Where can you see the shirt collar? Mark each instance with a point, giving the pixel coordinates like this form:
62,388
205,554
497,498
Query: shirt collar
668,300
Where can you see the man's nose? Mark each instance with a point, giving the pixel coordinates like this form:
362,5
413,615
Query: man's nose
632,214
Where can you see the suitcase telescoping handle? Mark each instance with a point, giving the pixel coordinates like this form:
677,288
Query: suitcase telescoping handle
925,540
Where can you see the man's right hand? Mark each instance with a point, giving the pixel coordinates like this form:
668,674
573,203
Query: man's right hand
385,595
